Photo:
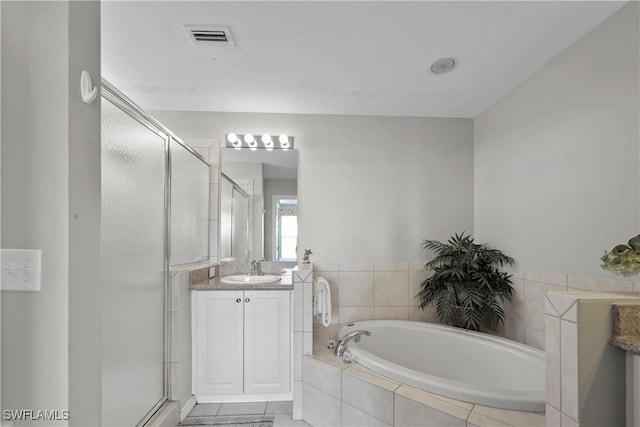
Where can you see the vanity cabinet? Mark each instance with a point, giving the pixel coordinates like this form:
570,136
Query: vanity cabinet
242,344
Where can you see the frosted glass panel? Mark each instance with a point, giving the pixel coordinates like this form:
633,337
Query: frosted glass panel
133,251
189,206
234,222
226,211
240,223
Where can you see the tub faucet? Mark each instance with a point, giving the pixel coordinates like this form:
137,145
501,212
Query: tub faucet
343,341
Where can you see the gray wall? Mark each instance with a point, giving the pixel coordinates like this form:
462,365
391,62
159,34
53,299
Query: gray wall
51,201
0,198
85,287
556,159
370,188
35,208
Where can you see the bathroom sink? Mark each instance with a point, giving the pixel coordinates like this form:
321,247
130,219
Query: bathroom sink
245,279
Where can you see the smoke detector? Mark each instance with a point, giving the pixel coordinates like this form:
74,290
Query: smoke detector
209,35
443,65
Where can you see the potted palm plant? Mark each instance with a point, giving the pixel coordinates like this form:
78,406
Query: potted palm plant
467,286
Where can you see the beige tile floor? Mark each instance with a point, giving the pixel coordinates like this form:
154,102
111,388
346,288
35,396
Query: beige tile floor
281,411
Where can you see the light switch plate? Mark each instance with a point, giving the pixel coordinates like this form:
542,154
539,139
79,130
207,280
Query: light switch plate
21,269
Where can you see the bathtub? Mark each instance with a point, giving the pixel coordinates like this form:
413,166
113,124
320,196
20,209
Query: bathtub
452,362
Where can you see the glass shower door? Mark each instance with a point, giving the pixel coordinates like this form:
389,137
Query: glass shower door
133,267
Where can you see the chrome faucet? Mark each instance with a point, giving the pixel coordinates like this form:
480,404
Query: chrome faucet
353,335
256,268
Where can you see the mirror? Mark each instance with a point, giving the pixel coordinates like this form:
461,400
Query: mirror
258,202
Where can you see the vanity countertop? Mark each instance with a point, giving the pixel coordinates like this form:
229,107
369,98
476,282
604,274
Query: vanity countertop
214,284
625,332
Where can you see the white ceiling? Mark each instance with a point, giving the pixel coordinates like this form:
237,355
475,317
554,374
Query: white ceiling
334,57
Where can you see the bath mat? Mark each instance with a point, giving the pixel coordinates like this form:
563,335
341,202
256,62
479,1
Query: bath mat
230,421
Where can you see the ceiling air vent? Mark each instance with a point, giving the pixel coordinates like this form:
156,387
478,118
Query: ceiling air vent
209,36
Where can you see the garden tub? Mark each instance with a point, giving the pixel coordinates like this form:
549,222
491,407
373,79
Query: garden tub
464,365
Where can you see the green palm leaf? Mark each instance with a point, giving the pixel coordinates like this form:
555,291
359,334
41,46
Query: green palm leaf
467,286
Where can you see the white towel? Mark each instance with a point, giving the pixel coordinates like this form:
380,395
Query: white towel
322,303
319,302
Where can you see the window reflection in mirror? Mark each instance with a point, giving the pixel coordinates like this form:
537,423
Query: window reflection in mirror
286,228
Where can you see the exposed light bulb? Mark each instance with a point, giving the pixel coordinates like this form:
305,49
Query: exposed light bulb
235,141
284,142
251,142
267,141
238,141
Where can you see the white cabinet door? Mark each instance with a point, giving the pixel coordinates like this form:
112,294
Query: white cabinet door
267,342
219,342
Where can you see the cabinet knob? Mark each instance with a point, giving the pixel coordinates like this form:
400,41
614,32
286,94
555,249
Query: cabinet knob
239,300
247,300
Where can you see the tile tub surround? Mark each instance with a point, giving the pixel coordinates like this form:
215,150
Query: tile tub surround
338,394
585,375
372,291
379,290
525,320
302,276
626,327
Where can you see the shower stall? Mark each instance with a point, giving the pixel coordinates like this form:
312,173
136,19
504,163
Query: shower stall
140,159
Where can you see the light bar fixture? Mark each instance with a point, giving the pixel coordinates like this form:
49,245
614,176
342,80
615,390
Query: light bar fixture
266,142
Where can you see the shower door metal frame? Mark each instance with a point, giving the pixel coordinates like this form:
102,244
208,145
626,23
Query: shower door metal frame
113,95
